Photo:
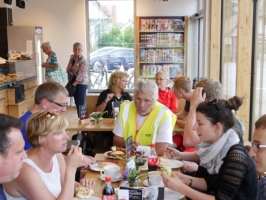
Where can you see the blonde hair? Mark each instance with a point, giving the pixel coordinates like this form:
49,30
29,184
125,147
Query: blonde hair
115,79
165,75
183,82
42,123
46,45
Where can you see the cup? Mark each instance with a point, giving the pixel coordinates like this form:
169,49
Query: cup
155,178
112,171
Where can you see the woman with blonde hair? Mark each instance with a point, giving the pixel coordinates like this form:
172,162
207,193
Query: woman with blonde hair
46,174
115,92
166,96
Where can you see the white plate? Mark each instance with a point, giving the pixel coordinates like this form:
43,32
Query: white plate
146,183
172,195
95,166
102,177
105,154
174,164
144,167
91,198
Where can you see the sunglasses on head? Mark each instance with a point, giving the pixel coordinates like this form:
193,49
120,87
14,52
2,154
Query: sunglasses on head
212,102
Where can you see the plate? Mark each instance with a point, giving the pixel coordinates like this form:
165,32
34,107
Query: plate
146,183
102,177
174,164
91,198
105,154
144,167
96,168
172,195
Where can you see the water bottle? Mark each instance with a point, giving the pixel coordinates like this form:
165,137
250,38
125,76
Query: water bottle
152,159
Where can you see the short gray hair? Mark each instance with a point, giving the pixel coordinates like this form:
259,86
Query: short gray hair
146,85
46,45
165,75
77,44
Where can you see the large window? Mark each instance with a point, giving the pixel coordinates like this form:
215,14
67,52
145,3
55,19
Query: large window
259,88
229,47
111,41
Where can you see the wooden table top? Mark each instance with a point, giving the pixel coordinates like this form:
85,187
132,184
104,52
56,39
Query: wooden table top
106,124
95,176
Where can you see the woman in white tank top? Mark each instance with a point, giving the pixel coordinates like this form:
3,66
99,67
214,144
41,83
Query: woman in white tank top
46,174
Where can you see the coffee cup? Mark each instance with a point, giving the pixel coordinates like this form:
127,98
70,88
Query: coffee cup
111,170
155,178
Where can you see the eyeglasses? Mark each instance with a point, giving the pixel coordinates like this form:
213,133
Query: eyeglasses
213,102
50,115
61,105
256,147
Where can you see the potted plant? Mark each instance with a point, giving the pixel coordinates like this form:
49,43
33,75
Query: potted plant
132,176
97,116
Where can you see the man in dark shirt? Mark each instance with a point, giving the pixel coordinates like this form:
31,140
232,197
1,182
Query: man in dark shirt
11,150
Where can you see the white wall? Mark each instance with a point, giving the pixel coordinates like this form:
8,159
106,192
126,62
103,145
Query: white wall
166,8
63,22
172,8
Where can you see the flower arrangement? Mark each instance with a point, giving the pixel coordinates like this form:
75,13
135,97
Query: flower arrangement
133,176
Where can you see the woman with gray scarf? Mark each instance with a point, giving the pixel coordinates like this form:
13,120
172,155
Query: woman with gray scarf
225,169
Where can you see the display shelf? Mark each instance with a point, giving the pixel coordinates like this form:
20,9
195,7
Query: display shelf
161,46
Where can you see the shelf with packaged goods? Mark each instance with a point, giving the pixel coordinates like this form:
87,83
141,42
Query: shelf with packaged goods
161,45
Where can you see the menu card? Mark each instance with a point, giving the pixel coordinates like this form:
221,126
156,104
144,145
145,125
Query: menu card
151,193
83,112
128,146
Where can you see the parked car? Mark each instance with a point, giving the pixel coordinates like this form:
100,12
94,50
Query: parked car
102,51
114,59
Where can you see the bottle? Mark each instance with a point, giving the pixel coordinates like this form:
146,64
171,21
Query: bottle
108,192
152,159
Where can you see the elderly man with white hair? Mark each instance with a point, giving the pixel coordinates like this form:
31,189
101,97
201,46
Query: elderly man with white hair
145,119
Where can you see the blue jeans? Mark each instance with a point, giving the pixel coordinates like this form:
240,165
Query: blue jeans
80,96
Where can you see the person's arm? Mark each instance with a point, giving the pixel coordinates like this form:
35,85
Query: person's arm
103,100
173,103
82,71
184,184
172,153
118,139
160,148
164,134
190,137
180,123
182,115
53,63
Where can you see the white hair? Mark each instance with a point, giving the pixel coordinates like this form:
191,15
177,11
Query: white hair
146,86
165,75
46,45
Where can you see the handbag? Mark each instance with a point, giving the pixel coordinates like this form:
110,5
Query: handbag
70,87
56,74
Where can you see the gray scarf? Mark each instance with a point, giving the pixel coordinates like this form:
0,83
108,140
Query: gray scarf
211,155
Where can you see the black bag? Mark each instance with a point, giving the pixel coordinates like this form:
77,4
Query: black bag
85,142
70,87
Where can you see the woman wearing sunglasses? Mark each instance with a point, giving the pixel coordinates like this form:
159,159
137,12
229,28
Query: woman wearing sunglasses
46,174
225,169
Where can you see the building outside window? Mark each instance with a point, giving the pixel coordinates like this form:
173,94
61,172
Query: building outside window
111,41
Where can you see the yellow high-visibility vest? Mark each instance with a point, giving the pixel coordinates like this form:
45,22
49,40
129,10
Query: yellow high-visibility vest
147,133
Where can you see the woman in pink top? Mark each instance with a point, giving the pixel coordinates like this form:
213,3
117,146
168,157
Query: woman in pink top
166,96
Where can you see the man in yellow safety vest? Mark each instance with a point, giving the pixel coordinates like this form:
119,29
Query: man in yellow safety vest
145,119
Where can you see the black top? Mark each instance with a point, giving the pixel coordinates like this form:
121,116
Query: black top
187,106
237,177
102,97
2,194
